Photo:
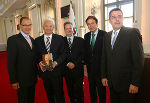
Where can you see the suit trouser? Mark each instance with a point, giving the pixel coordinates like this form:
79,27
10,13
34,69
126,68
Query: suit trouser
54,89
74,81
26,94
95,85
122,97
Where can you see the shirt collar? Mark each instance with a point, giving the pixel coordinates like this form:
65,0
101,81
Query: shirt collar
70,37
96,32
24,35
116,31
45,36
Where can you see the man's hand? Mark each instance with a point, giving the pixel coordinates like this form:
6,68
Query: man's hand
15,86
85,70
85,67
133,89
104,81
41,66
38,77
70,65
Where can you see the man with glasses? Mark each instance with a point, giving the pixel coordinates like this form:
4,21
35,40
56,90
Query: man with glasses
21,62
122,60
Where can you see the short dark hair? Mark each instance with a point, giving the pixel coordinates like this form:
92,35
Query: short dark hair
23,19
115,9
92,17
68,22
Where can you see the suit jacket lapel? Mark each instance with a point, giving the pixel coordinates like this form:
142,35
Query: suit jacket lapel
89,38
26,44
97,39
42,44
73,43
66,41
109,39
118,39
52,42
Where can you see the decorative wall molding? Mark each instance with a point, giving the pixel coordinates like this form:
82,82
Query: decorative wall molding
137,14
5,5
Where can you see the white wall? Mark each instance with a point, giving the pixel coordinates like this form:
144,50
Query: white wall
145,25
3,37
60,21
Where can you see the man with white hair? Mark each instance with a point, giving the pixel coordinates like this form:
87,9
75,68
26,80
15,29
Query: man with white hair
54,44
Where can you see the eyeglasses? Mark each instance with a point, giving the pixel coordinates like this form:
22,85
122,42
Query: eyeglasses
116,17
26,25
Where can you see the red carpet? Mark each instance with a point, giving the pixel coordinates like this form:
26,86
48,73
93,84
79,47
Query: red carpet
8,95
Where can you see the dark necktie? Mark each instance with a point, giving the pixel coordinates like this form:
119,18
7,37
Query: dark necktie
48,44
113,40
93,41
69,42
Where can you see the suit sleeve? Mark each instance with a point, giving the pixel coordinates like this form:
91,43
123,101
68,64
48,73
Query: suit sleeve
85,50
80,58
37,51
137,57
63,54
12,59
103,58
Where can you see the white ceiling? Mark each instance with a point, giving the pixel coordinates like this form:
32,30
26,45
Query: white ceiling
17,5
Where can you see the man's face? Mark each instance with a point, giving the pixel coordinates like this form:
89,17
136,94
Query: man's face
26,26
48,27
116,19
92,26
68,30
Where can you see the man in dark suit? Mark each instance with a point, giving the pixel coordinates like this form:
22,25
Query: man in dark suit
122,60
74,64
51,43
21,62
93,45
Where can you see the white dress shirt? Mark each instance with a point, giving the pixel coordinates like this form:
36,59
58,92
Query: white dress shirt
45,38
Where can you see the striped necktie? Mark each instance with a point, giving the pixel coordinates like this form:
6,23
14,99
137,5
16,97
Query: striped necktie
69,42
48,44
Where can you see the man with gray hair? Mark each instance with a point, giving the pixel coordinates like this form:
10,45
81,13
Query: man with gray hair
50,43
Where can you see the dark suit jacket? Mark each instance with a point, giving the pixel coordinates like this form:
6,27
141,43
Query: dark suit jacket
123,64
76,54
57,49
21,60
93,58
